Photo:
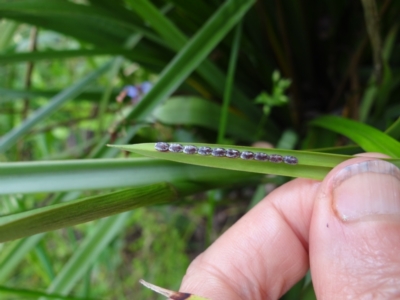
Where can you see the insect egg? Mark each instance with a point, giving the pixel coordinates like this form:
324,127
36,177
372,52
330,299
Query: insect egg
261,156
247,155
161,146
175,148
190,149
232,153
291,160
204,151
219,152
275,158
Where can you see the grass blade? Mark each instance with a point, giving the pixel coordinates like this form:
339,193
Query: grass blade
176,40
34,177
167,30
371,14
93,95
137,55
9,139
104,232
83,210
229,84
312,165
87,253
192,55
29,294
16,255
367,137
394,130
86,22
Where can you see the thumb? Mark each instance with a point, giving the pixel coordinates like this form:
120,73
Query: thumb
355,232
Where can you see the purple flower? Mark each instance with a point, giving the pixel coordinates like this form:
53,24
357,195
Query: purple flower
132,91
145,87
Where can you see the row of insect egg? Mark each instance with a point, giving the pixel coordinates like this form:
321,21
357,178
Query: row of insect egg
221,152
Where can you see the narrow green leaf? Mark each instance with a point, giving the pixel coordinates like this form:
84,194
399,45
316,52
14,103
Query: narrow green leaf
177,40
192,55
9,139
50,176
16,255
368,100
371,14
90,94
86,22
305,158
394,130
44,262
28,294
136,55
378,95
229,83
367,137
346,150
312,165
83,210
87,253
149,13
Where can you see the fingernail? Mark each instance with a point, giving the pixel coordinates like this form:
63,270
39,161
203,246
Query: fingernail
366,190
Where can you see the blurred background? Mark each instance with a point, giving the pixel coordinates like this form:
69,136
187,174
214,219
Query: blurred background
77,75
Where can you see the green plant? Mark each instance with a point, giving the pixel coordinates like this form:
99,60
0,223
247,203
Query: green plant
62,64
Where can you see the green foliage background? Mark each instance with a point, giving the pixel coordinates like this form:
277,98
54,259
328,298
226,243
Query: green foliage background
231,72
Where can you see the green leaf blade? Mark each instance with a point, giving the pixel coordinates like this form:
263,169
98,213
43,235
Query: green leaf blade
367,137
191,55
311,165
98,174
83,210
10,138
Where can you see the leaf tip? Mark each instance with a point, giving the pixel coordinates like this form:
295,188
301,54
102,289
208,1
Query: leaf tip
113,146
157,289
171,294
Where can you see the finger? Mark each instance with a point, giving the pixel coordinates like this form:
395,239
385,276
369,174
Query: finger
355,232
263,254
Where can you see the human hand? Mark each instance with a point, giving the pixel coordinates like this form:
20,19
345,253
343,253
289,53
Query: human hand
346,229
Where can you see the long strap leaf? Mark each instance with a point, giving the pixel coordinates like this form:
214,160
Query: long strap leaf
367,137
9,139
83,210
194,52
88,174
314,165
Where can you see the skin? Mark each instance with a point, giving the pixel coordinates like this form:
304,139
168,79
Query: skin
301,226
